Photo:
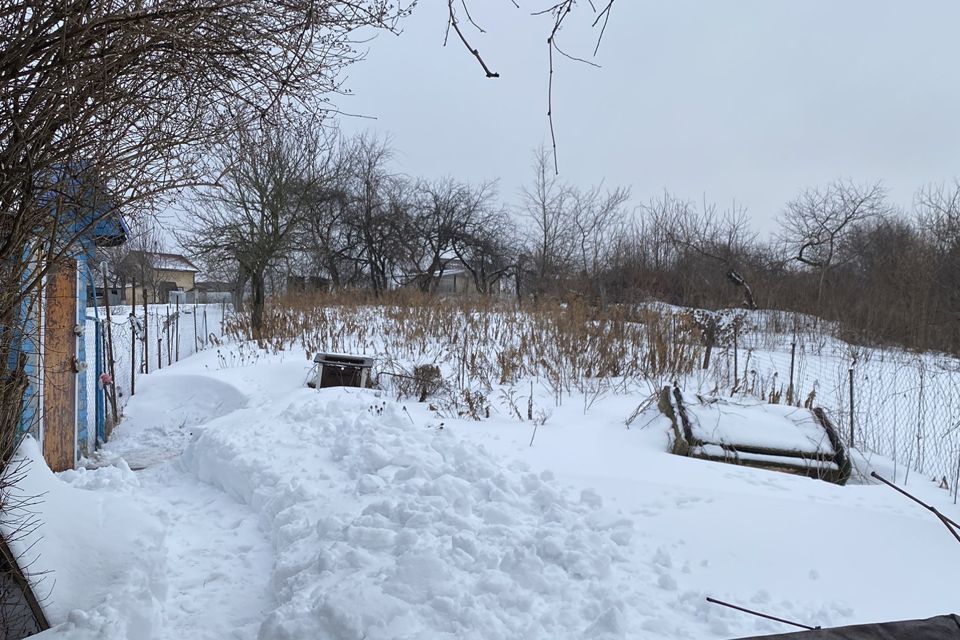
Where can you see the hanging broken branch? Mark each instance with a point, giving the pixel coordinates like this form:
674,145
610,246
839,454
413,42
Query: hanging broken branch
951,526
559,11
452,22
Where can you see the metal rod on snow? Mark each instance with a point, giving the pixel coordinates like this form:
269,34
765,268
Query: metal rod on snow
947,522
760,615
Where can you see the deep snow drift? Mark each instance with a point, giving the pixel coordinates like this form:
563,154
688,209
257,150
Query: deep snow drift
161,418
96,558
300,514
385,529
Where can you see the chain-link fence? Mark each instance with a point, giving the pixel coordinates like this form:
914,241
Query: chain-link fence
141,345
903,406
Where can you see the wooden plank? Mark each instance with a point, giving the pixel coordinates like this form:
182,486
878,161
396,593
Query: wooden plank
823,456
811,471
60,380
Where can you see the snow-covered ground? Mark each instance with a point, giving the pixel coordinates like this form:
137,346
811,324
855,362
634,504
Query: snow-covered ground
295,513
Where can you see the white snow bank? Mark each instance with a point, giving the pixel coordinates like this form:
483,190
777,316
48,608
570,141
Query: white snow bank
384,529
161,418
105,623
90,551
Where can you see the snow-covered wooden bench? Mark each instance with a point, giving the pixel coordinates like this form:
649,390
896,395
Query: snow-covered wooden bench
769,436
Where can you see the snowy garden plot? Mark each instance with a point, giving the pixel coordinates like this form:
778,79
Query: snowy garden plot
906,406
377,519
385,523
489,358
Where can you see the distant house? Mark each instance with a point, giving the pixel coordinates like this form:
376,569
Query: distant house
454,279
214,292
307,284
159,273
97,296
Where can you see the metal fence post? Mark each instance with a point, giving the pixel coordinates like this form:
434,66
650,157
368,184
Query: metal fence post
851,407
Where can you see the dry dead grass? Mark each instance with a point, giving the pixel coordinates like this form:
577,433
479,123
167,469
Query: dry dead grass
481,345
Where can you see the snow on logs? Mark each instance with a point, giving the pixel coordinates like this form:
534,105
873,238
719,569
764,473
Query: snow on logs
767,436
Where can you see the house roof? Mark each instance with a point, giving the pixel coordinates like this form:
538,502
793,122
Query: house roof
110,231
168,261
80,200
214,286
448,266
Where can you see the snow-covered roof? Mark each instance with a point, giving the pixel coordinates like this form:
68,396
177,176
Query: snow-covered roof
169,261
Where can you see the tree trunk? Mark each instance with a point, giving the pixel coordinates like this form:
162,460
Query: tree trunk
706,355
240,287
256,307
375,280
823,277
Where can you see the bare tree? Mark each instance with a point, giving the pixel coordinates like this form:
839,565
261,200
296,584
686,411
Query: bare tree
550,241
816,226
378,203
488,246
445,221
646,251
713,245
571,232
327,240
253,214
438,210
596,219
135,262
937,208
107,104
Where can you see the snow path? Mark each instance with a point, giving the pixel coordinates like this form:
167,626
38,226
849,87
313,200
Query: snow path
161,418
218,561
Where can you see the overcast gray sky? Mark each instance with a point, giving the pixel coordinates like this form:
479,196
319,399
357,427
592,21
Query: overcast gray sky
750,100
